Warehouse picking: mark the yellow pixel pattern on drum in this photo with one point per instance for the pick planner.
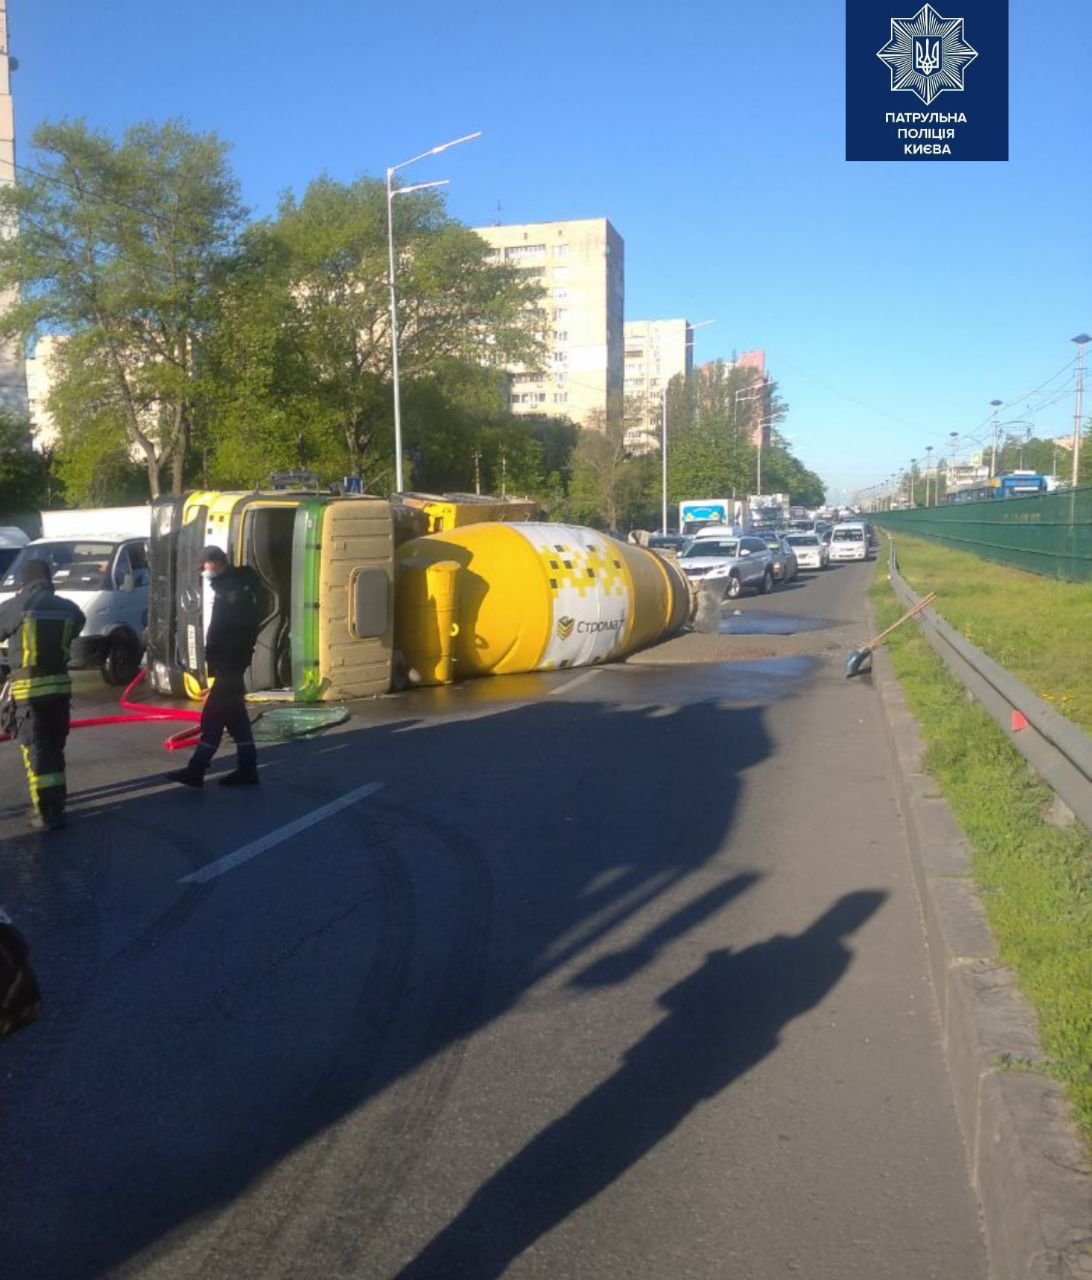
(592, 567)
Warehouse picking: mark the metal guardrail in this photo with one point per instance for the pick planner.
(1056, 749)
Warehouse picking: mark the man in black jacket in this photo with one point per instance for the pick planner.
(229, 647)
(42, 627)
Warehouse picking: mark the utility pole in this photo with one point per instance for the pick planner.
(13, 374)
(1081, 339)
(663, 460)
(996, 427)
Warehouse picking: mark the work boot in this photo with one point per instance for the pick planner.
(51, 821)
(242, 777)
(189, 776)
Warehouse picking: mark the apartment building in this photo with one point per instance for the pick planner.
(39, 383)
(655, 352)
(580, 265)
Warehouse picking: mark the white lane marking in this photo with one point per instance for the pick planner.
(571, 684)
(231, 860)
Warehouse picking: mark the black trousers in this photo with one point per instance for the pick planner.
(43, 731)
(225, 708)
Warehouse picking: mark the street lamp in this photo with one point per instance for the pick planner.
(1081, 339)
(393, 191)
(910, 484)
(928, 464)
(663, 432)
(993, 457)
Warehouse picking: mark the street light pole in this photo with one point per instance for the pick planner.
(928, 465)
(393, 191)
(993, 457)
(701, 324)
(663, 459)
(1081, 339)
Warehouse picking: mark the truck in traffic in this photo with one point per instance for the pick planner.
(700, 513)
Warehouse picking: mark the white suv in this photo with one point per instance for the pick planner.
(717, 558)
(849, 541)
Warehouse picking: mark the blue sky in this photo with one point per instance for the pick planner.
(894, 301)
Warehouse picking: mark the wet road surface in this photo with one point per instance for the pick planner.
(604, 974)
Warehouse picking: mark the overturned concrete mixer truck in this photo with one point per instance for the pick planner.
(358, 599)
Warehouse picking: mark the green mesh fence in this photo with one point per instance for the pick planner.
(1050, 534)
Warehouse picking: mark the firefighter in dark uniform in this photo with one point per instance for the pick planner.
(229, 648)
(41, 626)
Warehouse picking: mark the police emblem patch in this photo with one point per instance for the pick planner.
(927, 54)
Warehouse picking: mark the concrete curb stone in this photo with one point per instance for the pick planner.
(1028, 1165)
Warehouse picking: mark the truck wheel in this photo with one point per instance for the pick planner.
(734, 588)
(122, 660)
(767, 583)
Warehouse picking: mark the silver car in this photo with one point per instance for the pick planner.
(717, 558)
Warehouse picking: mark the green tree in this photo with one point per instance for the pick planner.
(711, 427)
(24, 472)
(597, 492)
(302, 350)
(119, 248)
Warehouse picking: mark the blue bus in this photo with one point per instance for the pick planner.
(1014, 484)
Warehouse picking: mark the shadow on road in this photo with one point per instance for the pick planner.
(266, 1012)
(722, 1020)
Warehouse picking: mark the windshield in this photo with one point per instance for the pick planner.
(76, 565)
(848, 535)
(718, 547)
(802, 540)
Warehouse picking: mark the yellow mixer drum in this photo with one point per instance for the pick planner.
(536, 597)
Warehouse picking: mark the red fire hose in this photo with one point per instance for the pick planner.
(140, 713)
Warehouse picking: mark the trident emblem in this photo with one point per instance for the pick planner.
(926, 59)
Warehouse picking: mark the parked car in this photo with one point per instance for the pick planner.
(671, 542)
(811, 550)
(714, 558)
(849, 541)
(784, 563)
(107, 576)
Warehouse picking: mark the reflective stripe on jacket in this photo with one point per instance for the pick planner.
(42, 626)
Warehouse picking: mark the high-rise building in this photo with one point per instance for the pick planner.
(756, 405)
(580, 265)
(655, 352)
(13, 382)
(40, 374)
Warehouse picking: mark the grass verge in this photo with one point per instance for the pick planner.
(1038, 629)
(1035, 879)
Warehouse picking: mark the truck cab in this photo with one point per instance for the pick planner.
(326, 565)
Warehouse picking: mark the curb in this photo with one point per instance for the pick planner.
(1027, 1163)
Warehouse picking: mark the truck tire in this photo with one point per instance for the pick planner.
(121, 661)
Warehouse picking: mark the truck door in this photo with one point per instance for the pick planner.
(189, 647)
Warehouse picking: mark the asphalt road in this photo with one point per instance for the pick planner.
(604, 974)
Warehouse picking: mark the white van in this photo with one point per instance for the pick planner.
(107, 576)
(849, 541)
